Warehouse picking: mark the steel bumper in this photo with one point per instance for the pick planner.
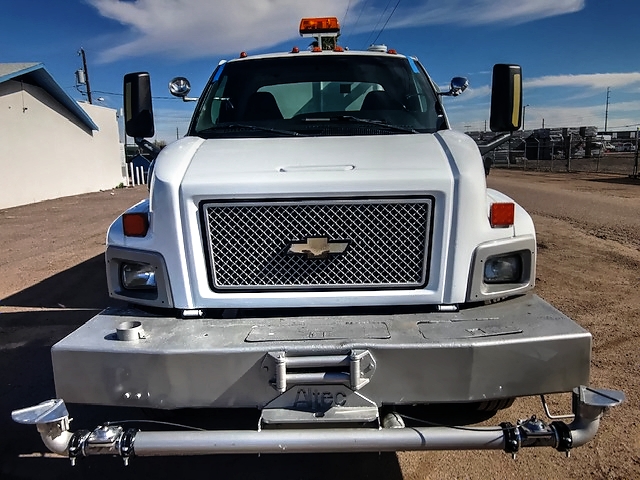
(518, 347)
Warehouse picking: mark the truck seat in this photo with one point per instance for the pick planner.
(262, 106)
(380, 100)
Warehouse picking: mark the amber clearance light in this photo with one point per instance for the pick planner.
(135, 224)
(502, 214)
(319, 25)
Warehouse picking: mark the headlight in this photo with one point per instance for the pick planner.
(503, 269)
(138, 276)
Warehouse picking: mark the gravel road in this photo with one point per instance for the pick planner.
(52, 280)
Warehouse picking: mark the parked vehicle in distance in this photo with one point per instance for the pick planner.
(626, 147)
(602, 146)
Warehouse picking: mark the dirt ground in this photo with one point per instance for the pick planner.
(52, 280)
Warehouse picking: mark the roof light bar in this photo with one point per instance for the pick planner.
(310, 27)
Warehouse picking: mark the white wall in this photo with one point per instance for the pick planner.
(45, 152)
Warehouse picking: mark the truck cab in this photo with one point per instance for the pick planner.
(327, 179)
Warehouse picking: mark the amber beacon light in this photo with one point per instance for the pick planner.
(313, 26)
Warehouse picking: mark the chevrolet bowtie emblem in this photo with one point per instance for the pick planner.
(318, 247)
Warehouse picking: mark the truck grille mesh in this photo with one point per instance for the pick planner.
(387, 244)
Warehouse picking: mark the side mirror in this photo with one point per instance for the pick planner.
(138, 110)
(456, 87)
(506, 98)
(180, 87)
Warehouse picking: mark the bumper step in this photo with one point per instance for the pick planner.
(485, 353)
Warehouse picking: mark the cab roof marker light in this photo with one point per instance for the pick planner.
(135, 224)
(392, 51)
(295, 50)
(243, 54)
(502, 214)
(377, 48)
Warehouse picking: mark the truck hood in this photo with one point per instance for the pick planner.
(294, 166)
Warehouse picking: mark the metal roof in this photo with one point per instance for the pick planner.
(37, 74)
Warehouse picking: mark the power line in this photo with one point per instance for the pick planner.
(377, 23)
(627, 126)
(344, 17)
(385, 23)
(359, 15)
(120, 94)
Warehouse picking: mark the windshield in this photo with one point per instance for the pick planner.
(321, 94)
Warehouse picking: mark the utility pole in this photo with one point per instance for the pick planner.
(635, 162)
(606, 111)
(524, 112)
(543, 123)
(86, 74)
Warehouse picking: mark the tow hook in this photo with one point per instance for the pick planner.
(52, 421)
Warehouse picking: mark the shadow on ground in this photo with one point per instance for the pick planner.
(69, 299)
(82, 286)
(626, 180)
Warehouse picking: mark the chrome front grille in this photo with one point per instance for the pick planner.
(249, 244)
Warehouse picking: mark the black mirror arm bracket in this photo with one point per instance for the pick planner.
(147, 145)
(495, 143)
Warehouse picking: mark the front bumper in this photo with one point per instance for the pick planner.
(518, 347)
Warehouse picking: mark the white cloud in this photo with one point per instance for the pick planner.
(168, 120)
(199, 28)
(475, 92)
(482, 12)
(621, 116)
(593, 80)
(564, 116)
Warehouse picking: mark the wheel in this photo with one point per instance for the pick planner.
(494, 405)
(449, 413)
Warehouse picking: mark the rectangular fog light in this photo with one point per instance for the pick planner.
(138, 276)
(503, 269)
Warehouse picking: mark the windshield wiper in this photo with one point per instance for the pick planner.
(352, 119)
(231, 126)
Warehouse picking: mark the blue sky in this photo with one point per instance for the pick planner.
(570, 50)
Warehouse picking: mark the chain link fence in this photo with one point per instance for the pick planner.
(563, 150)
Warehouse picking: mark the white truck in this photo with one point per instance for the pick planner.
(322, 248)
